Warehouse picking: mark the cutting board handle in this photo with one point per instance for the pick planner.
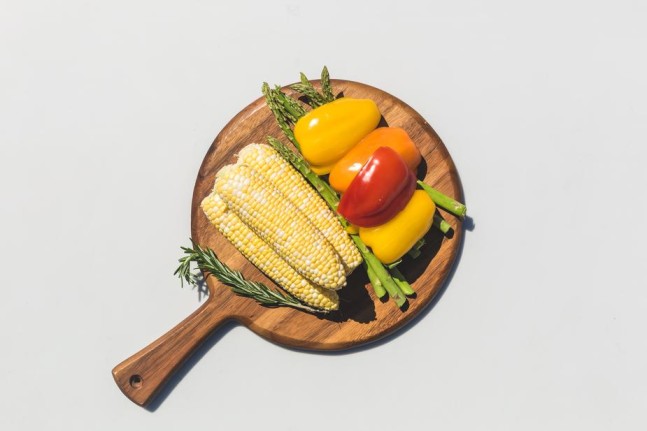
(142, 375)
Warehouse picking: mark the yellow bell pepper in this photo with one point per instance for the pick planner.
(391, 240)
(328, 132)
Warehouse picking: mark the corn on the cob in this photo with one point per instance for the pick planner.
(268, 162)
(266, 259)
(280, 224)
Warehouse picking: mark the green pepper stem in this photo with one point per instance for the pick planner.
(444, 201)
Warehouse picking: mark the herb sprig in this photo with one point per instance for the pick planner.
(208, 264)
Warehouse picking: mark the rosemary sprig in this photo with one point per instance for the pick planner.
(208, 263)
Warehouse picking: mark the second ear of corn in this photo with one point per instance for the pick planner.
(263, 158)
(264, 207)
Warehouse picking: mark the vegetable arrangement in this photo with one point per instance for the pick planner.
(306, 238)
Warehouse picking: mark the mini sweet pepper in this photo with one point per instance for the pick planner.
(326, 133)
(391, 240)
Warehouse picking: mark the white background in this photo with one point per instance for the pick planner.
(106, 110)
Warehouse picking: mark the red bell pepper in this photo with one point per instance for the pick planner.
(380, 190)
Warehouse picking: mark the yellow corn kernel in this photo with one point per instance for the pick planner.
(268, 162)
(267, 260)
(280, 224)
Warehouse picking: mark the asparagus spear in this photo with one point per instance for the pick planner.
(280, 118)
(401, 281)
(388, 283)
(441, 224)
(326, 88)
(305, 87)
(444, 201)
(375, 282)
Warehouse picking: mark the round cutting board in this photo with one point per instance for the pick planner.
(362, 317)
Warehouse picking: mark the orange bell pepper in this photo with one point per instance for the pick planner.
(346, 169)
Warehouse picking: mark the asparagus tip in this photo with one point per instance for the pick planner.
(445, 227)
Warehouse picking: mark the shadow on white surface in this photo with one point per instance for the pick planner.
(185, 367)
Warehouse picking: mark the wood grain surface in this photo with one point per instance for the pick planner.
(362, 317)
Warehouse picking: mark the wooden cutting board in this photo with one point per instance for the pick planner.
(362, 317)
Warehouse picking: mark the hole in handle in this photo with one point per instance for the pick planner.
(136, 381)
